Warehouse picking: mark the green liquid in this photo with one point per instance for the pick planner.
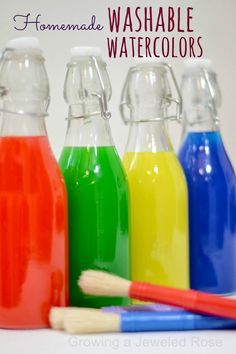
(98, 217)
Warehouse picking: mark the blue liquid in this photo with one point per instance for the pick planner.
(212, 212)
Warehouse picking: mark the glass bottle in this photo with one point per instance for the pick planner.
(159, 201)
(33, 203)
(211, 183)
(96, 182)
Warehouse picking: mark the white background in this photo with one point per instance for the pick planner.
(215, 21)
(50, 342)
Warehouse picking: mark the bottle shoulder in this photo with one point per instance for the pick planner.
(159, 164)
(27, 165)
(92, 164)
(205, 157)
(200, 144)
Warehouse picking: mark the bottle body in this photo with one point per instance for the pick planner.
(159, 207)
(98, 202)
(212, 208)
(98, 216)
(33, 236)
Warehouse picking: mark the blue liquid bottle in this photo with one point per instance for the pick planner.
(211, 183)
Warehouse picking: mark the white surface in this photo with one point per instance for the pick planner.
(85, 51)
(24, 43)
(51, 342)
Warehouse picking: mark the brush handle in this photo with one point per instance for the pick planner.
(168, 321)
(192, 300)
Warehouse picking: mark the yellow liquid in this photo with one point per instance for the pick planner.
(159, 218)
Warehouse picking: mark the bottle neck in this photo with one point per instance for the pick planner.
(152, 112)
(202, 99)
(199, 120)
(24, 78)
(148, 137)
(22, 125)
(84, 110)
(88, 131)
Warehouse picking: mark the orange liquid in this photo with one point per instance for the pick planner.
(33, 233)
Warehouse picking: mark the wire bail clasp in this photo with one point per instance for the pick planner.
(102, 97)
(212, 105)
(3, 89)
(178, 101)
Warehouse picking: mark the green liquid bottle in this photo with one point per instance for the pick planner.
(95, 179)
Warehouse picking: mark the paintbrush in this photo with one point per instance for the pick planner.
(105, 284)
(84, 320)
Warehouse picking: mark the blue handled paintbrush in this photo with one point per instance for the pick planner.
(83, 320)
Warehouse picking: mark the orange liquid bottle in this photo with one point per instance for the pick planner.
(33, 202)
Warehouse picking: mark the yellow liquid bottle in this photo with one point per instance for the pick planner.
(158, 189)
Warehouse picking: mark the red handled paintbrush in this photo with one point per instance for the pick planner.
(105, 284)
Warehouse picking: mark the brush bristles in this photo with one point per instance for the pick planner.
(83, 321)
(57, 315)
(100, 283)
